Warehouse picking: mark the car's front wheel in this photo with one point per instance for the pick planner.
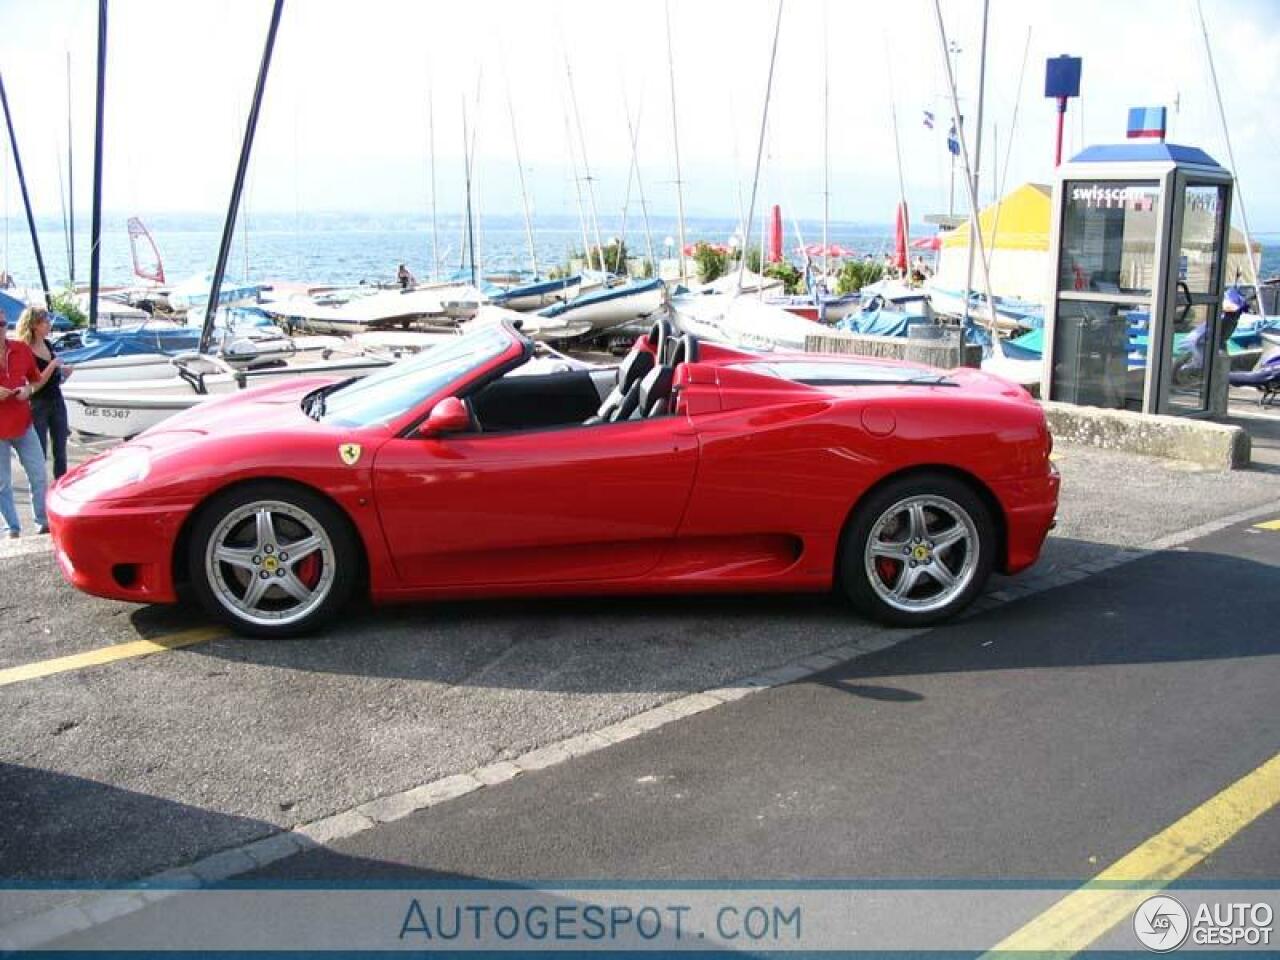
(918, 551)
(272, 560)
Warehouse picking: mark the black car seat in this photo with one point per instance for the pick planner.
(684, 350)
(653, 393)
(630, 372)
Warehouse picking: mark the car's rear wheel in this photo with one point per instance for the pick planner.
(272, 560)
(918, 551)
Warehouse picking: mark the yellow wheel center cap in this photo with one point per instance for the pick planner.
(920, 553)
(270, 564)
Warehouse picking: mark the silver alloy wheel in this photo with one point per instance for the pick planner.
(922, 553)
(270, 563)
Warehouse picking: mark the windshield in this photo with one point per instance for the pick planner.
(392, 392)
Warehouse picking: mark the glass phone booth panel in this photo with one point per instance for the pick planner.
(1106, 273)
(1200, 220)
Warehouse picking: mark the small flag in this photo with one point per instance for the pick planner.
(953, 139)
(928, 119)
(1147, 123)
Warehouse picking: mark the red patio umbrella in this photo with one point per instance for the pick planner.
(900, 238)
(927, 243)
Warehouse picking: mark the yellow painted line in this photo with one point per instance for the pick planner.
(1080, 918)
(1269, 525)
(119, 651)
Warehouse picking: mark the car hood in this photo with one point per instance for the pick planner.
(255, 410)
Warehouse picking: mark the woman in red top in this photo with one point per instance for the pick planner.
(19, 378)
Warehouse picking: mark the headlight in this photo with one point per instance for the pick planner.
(115, 471)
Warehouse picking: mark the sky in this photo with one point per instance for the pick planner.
(362, 96)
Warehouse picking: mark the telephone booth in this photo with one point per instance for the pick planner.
(1139, 246)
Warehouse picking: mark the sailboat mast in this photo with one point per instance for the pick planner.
(1226, 135)
(524, 191)
(477, 194)
(897, 150)
(95, 224)
(577, 187)
(675, 141)
(826, 146)
(431, 149)
(586, 165)
(764, 127)
(968, 180)
(62, 202)
(977, 162)
(71, 188)
(635, 163)
(22, 186)
(228, 230)
(466, 167)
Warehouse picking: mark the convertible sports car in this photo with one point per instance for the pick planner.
(690, 467)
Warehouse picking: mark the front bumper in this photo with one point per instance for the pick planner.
(116, 549)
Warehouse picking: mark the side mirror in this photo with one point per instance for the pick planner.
(450, 415)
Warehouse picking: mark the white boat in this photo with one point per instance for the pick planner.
(112, 313)
(401, 343)
(752, 282)
(194, 293)
(744, 321)
(537, 294)
(360, 309)
(1010, 315)
(122, 409)
(610, 307)
(532, 325)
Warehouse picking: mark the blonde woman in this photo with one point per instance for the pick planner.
(19, 379)
(48, 409)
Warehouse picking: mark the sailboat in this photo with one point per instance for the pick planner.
(125, 407)
(125, 403)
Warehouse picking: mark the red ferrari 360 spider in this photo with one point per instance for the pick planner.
(689, 467)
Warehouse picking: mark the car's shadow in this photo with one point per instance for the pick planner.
(646, 644)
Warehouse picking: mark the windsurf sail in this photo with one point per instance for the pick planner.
(144, 267)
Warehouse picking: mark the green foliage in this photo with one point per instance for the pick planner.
(753, 259)
(65, 304)
(791, 277)
(712, 263)
(613, 260)
(856, 274)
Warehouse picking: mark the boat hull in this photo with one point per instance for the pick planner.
(123, 409)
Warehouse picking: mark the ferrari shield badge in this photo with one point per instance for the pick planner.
(350, 453)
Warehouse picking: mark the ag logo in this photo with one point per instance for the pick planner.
(350, 453)
(1161, 924)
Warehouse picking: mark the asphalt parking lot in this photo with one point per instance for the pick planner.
(109, 773)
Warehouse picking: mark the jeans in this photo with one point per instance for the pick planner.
(50, 421)
(27, 447)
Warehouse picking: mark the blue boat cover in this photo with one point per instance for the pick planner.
(604, 295)
(534, 288)
(13, 308)
(881, 322)
(114, 343)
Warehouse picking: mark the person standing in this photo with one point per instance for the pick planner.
(48, 409)
(19, 378)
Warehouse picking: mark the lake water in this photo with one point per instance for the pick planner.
(349, 248)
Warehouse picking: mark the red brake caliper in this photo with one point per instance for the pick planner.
(887, 568)
(308, 570)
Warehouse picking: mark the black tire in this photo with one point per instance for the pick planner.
(298, 593)
(950, 508)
